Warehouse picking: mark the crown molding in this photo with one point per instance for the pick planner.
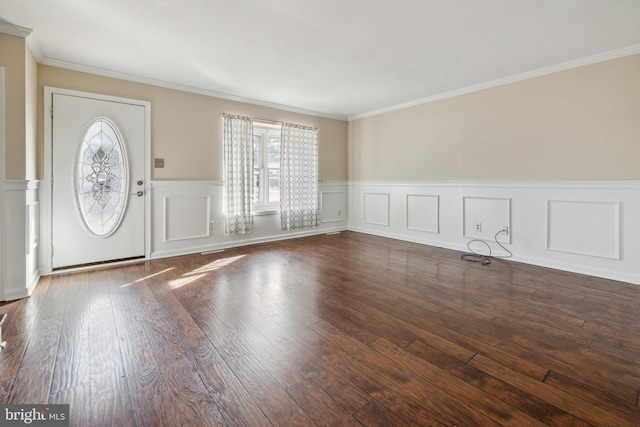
(184, 88)
(606, 56)
(14, 30)
(614, 54)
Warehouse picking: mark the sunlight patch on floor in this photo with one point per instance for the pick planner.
(178, 283)
(147, 277)
(217, 264)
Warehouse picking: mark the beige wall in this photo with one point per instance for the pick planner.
(12, 57)
(580, 124)
(31, 114)
(186, 128)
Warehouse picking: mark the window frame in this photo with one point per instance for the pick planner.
(263, 130)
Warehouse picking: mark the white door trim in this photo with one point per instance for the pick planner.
(3, 159)
(45, 188)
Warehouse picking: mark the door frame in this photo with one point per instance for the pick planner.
(46, 217)
(3, 159)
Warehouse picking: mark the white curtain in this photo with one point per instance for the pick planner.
(238, 173)
(299, 177)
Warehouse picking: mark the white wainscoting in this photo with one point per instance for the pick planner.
(489, 214)
(187, 217)
(21, 238)
(376, 209)
(587, 227)
(32, 234)
(584, 228)
(423, 213)
(332, 206)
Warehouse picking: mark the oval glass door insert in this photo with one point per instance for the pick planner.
(102, 178)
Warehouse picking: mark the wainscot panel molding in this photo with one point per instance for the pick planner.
(186, 217)
(423, 213)
(376, 209)
(182, 222)
(484, 217)
(332, 205)
(21, 238)
(584, 227)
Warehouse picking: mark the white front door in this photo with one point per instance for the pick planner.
(98, 191)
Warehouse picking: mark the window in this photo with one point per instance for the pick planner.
(266, 166)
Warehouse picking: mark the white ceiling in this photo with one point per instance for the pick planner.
(338, 58)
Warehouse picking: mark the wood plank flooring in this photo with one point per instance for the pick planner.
(331, 330)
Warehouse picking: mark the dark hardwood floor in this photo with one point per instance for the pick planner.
(331, 330)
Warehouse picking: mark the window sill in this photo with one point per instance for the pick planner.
(266, 211)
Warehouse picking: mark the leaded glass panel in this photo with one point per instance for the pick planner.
(101, 178)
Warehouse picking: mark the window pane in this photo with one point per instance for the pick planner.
(257, 151)
(256, 186)
(273, 151)
(274, 185)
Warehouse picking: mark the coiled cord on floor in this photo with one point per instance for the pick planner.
(473, 256)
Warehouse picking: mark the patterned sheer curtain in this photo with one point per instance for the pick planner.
(238, 173)
(299, 177)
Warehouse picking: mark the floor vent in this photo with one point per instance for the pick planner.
(212, 252)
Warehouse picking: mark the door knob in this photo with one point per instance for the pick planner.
(139, 182)
(139, 194)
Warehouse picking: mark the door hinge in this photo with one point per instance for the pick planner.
(51, 250)
(51, 111)
(51, 182)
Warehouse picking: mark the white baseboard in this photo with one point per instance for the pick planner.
(244, 242)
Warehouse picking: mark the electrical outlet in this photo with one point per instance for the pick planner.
(505, 229)
(339, 213)
(212, 225)
(478, 226)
